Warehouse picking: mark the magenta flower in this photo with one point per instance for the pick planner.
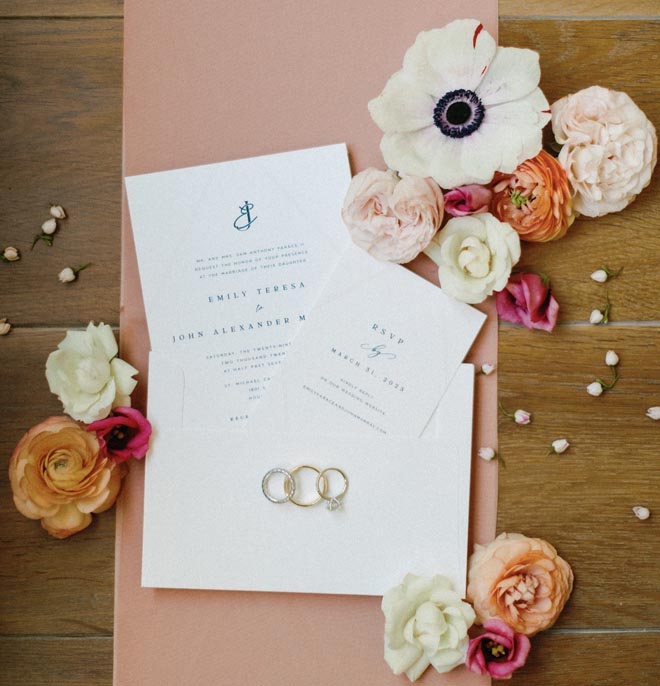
(527, 299)
(464, 200)
(124, 434)
(498, 652)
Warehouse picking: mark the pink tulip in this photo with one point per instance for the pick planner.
(498, 652)
(528, 300)
(124, 434)
(464, 200)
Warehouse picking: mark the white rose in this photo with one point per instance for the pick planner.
(475, 256)
(87, 376)
(426, 623)
(610, 148)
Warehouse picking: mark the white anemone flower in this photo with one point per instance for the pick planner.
(461, 108)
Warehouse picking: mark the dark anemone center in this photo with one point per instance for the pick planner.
(493, 651)
(119, 436)
(458, 113)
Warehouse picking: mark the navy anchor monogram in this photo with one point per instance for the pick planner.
(244, 220)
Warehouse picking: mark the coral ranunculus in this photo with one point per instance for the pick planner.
(124, 434)
(60, 475)
(528, 300)
(535, 199)
(498, 652)
(521, 581)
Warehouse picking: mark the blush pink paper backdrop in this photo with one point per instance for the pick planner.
(207, 81)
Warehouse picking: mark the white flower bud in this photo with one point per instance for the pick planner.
(11, 254)
(57, 211)
(641, 512)
(5, 326)
(486, 454)
(653, 412)
(595, 389)
(67, 275)
(611, 358)
(596, 317)
(560, 446)
(600, 275)
(487, 368)
(49, 227)
(522, 417)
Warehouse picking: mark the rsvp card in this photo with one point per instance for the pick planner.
(379, 350)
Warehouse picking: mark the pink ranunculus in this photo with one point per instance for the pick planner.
(464, 200)
(124, 434)
(498, 652)
(528, 300)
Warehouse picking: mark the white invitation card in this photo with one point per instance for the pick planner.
(231, 258)
(379, 350)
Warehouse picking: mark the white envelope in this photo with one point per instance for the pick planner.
(405, 510)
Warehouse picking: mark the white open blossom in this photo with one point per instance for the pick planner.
(426, 623)
(87, 376)
(475, 256)
(461, 108)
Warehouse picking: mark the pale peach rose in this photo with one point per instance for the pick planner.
(520, 580)
(392, 218)
(609, 148)
(59, 474)
(535, 199)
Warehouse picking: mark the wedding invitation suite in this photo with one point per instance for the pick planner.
(232, 256)
(405, 510)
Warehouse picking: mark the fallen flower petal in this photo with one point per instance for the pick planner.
(49, 227)
(5, 326)
(57, 211)
(522, 417)
(611, 358)
(653, 412)
(67, 275)
(595, 389)
(600, 276)
(487, 369)
(11, 254)
(487, 454)
(596, 317)
(561, 445)
(641, 512)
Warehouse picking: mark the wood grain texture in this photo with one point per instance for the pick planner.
(56, 661)
(581, 500)
(61, 8)
(60, 142)
(48, 586)
(569, 8)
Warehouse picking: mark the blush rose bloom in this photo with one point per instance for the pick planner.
(124, 434)
(498, 652)
(392, 218)
(475, 256)
(609, 149)
(60, 475)
(529, 301)
(521, 581)
(465, 200)
(535, 200)
(426, 623)
(87, 376)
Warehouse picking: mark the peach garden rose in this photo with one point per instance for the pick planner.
(60, 475)
(521, 581)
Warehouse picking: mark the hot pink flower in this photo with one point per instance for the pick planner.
(528, 300)
(464, 200)
(124, 434)
(498, 652)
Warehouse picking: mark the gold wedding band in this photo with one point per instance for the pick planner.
(321, 486)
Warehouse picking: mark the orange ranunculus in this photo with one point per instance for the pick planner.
(521, 581)
(535, 199)
(59, 474)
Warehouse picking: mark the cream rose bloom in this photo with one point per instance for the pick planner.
(59, 474)
(87, 376)
(426, 623)
(521, 581)
(475, 256)
(392, 218)
(609, 148)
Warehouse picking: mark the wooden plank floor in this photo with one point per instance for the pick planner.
(60, 106)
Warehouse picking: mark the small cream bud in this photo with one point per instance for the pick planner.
(641, 512)
(487, 369)
(5, 326)
(522, 417)
(596, 317)
(600, 275)
(611, 358)
(57, 211)
(487, 454)
(49, 227)
(560, 446)
(595, 389)
(67, 275)
(11, 254)
(653, 412)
